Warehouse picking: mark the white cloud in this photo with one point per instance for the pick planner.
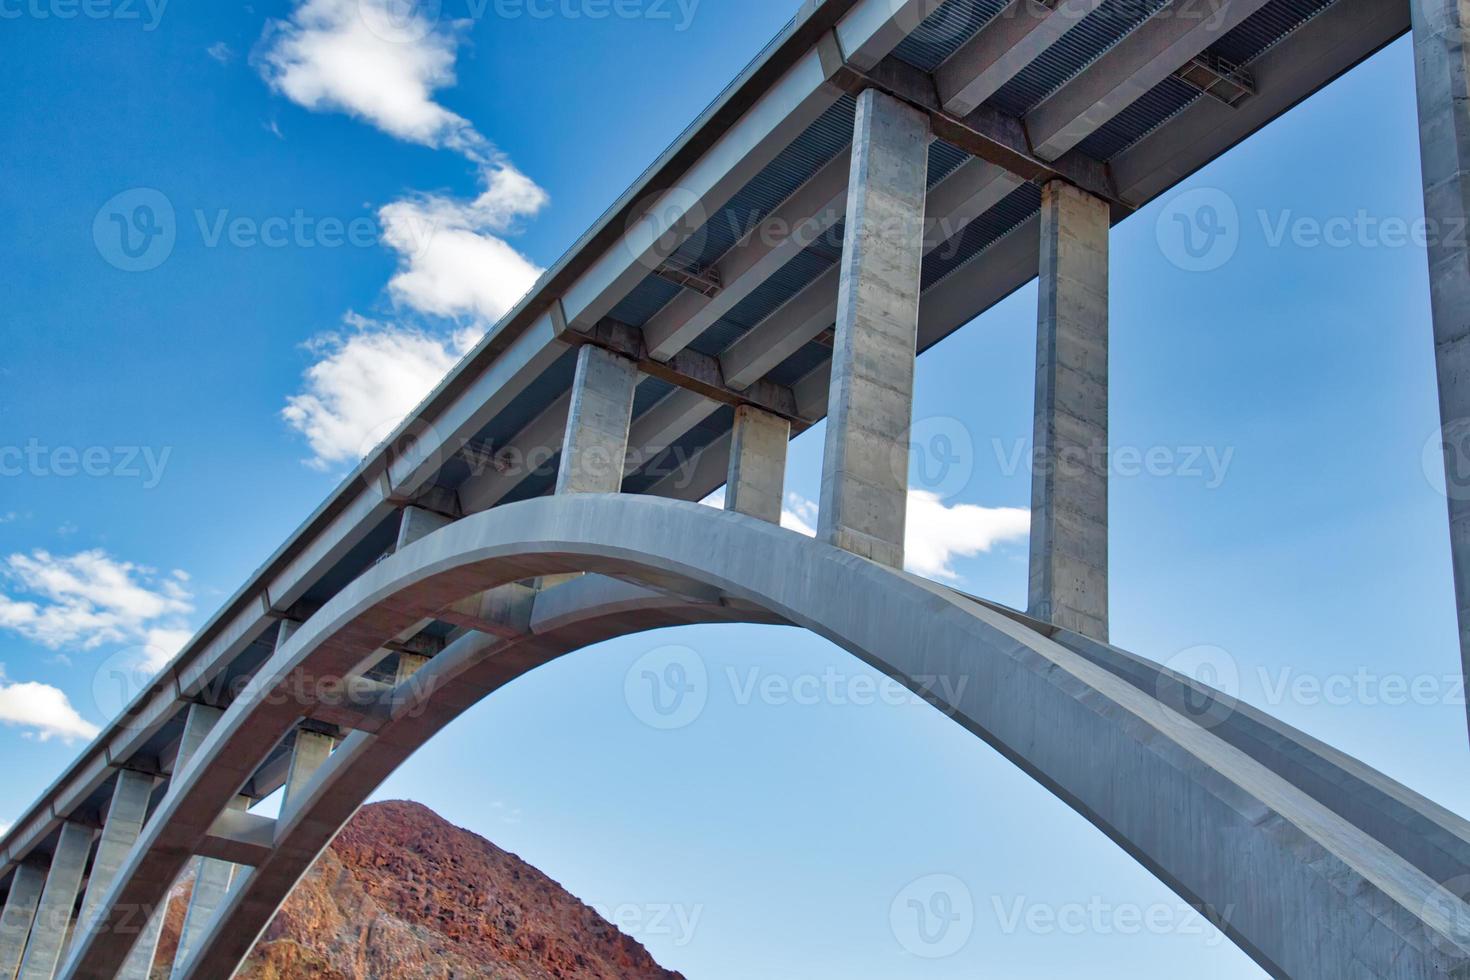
(89, 598)
(382, 62)
(366, 381)
(221, 52)
(374, 60)
(936, 533)
(43, 711)
(451, 262)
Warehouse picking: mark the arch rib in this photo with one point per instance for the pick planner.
(1303, 890)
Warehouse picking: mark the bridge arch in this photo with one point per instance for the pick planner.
(1308, 892)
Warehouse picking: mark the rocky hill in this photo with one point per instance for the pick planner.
(403, 893)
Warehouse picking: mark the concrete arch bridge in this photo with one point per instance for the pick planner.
(881, 174)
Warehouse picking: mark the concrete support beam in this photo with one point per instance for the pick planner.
(1443, 81)
(20, 912)
(1143, 59)
(757, 464)
(535, 446)
(415, 523)
(125, 816)
(197, 724)
(1014, 38)
(663, 425)
(212, 882)
(309, 753)
(959, 199)
(796, 223)
(1069, 482)
(864, 468)
(58, 900)
(601, 409)
(239, 837)
(504, 611)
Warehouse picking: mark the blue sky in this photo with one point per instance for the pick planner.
(1288, 533)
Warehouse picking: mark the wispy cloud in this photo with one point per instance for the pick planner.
(221, 52)
(43, 711)
(378, 65)
(89, 599)
(384, 63)
(366, 379)
(935, 533)
(451, 261)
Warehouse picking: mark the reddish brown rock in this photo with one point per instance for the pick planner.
(402, 893)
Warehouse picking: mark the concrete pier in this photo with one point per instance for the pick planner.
(1069, 480)
(309, 752)
(757, 464)
(58, 900)
(125, 816)
(870, 404)
(197, 725)
(596, 441)
(20, 912)
(1443, 86)
(211, 884)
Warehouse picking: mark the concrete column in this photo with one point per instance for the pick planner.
(596, 442)
(211, 885)
(58, 900)
(865, 466)
(757, 464)
(1069, 480)
(308, 753)
(1443, 82)
(197, 724)
(20, 912)
(415, 523)
(125, 816)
